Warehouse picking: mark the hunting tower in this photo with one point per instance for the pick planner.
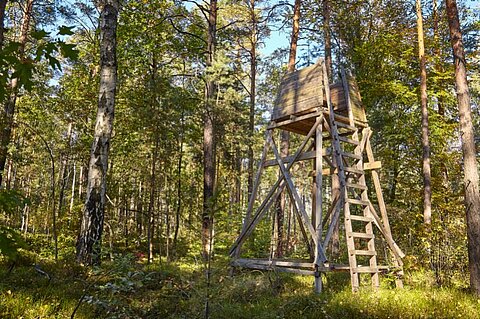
(335, 138)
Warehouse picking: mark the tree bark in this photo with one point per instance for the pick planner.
(151, 203)
(427, 190)
(285, 135)
(3, 5)
(89, 239)
(209, 137)
(9, 107)
(179, 190)
(471, 179)
(328, 37)
(63, 171)
(253, 89)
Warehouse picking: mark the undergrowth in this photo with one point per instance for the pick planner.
(129, 288)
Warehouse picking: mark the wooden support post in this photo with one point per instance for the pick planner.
(318, 207)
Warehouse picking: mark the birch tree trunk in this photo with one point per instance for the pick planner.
(209, 137)
(471, 179)
(89, 239)
(427, 191)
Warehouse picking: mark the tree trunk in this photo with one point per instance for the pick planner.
(179, 190)
(63, 169)
(285, 135)
(9, 107)
(209, 137)
(72, 197)
(151, 203)
(253, 89)
(3, 5)
(89, 239)
(328, 37)
(427, 191)
(471, 179)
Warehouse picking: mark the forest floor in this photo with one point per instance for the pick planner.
(129, 288)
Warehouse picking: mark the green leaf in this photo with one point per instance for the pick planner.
(39, 34)
(64, 30)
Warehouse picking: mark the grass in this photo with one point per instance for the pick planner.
(126, 288)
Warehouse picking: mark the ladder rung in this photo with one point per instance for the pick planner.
(351, 185)
(354, 170)
(358, 201)
(355, 156)
(363, 252)
(360, 235)
(348, 140)
(344, 125)
(361, 218)
(365, 270)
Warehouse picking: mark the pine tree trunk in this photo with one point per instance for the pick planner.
(328, 38)
(6, 123)
(89, 239)
(285, 136)
(179, 191)
(471, 179)
(253, 89)
(427, 191)
(209, 137)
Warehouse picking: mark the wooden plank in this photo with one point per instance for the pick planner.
(360, 235)
(361, 218)
(295, 97)
(299, 91)
(302, 157)
(340, 118)
(307, 73)
(358, 202)
(372, 165)
(365, 270)
(318, 199)
(351, 155)
(358, 186)
(348, 140)
(276, 263)
(279, 269)
(353, 170)
(363, 252)
(292, 119)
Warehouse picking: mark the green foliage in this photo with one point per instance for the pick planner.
(10, 243)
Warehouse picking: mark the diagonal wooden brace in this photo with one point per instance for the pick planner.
(299, 207)
(248, 228)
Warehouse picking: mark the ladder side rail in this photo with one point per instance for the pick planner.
(366, 211)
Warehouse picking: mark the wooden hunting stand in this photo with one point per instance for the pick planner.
(337, 140)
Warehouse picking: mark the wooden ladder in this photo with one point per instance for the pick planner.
(354, 193)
